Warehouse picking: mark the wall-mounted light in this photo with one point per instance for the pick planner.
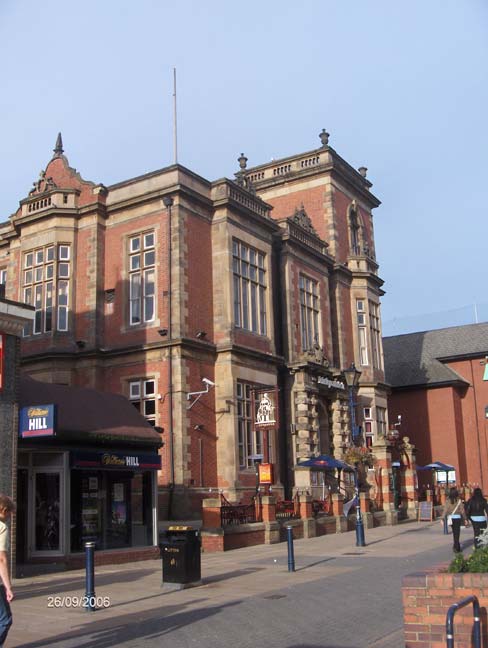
(80, 344)
(199, 426)
(201, 334)
(163, 332)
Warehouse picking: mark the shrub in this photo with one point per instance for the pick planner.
(475, 564)
(458, 564)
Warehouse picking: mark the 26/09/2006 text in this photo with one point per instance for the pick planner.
(78, 601)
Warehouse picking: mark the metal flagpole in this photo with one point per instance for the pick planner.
(175, 136)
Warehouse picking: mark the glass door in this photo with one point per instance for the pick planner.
(47, 508)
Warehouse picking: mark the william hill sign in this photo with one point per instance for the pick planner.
(37, 421)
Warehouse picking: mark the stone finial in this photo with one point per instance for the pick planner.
(242, 159)
(363, 171)
(58, 149)
(324, 138)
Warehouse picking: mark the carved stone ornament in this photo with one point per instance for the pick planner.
(406, 443)
(316, 354)
(43, 184)
(300, 217)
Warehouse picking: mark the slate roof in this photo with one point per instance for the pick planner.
(89, 414)
(416, 358)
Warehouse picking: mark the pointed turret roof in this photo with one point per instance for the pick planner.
(58, 149)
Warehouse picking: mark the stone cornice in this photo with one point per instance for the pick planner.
(14, 316)
(325, 160)
(157, 194)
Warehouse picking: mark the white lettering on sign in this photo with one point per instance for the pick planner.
(37, 424)
(330, 383)
(133, 462)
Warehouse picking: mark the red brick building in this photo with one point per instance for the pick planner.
(439, 392)
(187, 295)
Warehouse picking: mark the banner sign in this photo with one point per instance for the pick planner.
(37, 421)
(116, 460)
(265, 473)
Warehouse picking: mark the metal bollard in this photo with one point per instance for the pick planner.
(89, 603)
(360, 541)
(446, 528)
(291, 553)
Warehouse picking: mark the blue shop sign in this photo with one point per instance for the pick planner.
(37, 421)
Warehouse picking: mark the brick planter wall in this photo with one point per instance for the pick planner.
(427, 597)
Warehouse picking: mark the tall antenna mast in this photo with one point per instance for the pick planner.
(175, 135)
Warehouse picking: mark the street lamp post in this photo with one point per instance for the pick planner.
(352, 376)
(352, 379)
(360, 541)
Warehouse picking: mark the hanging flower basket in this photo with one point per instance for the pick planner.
(361, 455)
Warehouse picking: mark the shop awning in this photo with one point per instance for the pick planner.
(89, 415)
(325, 462)
(436, 465)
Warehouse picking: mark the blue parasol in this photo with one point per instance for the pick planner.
(436, 465)
(326, 463)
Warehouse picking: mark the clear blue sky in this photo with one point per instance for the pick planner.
(402, 87)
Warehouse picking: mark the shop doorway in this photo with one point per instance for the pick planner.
(21, 516)
(47, 512)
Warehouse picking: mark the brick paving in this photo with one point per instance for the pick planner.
(339, 597)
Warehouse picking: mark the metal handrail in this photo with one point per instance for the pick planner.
(476, 620)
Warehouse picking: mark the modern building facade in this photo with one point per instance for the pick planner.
(201, 301)
(439, 385)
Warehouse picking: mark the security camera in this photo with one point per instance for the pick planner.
(208, 382)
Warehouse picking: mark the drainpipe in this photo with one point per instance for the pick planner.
(168, 203)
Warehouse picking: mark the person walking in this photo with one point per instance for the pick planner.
(477, 510)
(455, 514)
(6, 594)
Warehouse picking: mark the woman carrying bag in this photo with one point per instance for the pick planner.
(476, 510)
(454, 512)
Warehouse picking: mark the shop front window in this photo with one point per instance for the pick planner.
(111, 508)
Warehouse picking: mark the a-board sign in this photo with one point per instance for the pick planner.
(426, 512)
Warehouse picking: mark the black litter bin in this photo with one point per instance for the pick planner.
(180, 553)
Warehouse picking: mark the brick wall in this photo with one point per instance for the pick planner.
(427, 597)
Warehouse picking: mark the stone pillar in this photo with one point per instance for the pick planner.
(305, 503)
(341, 427)
(409, 485)
(269, 508)
(381, 450)
(338, 512)
(364, 502)
(306, 514)
(365, 505)
(271, 526)
(337, 504)
(211, 513)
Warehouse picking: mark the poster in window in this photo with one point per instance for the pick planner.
(118, 492)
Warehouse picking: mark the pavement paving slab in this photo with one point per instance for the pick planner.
(340, 596)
